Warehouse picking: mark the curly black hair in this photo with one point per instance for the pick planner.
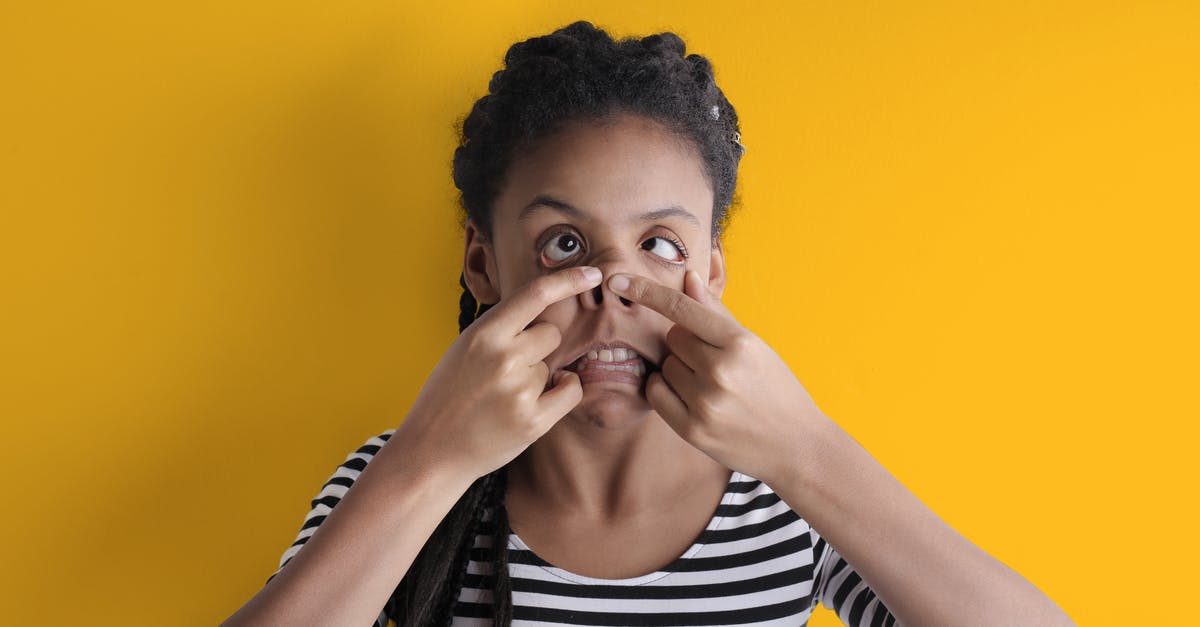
(578, 72)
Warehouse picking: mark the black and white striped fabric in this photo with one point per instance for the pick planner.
(757, 563)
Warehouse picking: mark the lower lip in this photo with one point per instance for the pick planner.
(591, 371)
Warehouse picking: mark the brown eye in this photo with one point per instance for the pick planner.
(561, 247)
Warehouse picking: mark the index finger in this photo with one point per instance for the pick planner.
(515, 313)
(705, 322)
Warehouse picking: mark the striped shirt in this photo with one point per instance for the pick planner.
(756, 563)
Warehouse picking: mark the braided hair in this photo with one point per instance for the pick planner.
(576, 73)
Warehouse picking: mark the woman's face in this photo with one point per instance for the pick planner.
(627, 196)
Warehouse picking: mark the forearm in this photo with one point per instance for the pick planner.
(357, 556)
(925, 572)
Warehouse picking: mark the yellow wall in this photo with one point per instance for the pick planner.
(229, 255)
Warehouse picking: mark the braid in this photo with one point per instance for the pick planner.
(429, 591)
(422, 598)
(483, 489)
(502, 587)
(578, 72)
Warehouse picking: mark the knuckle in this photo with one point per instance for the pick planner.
(639, 288)
(721, 376)
(506, 364)
(675, 306)
(529, 425)
(538, 291)
(706, 407)
(553, 333)
(741, 342)
(579, 280)
(526, 397)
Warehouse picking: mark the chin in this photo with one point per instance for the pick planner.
(611, 406)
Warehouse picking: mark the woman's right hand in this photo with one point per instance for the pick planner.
(487, 399)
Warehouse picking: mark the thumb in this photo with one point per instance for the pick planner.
(564, 394)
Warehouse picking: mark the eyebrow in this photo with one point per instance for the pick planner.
(542, 201)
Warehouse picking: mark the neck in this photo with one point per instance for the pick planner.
(586, 469)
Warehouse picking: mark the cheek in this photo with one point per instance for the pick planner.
(515, 274)
(671, 277)
(561, 314)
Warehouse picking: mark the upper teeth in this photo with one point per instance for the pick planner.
(616, 354)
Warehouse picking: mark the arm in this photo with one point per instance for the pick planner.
(355, 554)
(921, 569)
(488, 398)
(729, 394)
(839, 588)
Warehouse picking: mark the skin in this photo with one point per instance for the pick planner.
(483, 404)
(723, 400)
(582, 480)
(714, 375)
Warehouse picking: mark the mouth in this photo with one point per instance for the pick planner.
(612, 361)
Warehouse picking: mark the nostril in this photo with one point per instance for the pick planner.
(625, 301)
(598, 294)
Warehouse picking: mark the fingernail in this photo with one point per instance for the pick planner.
(619, 283)
(592, 274)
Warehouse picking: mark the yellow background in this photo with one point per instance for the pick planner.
(230, 255)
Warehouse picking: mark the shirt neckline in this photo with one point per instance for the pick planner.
(714, 523)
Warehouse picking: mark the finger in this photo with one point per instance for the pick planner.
(514, 313)
(695, 352)
(562, 397)
(538, 341)
(694, 286)
(681, 379)
(541, 372)
(664, 401)
(706, 322)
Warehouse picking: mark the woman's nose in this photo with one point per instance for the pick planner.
(601, 296)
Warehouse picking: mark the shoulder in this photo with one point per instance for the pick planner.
(366, 451)
(333, 490)
(357, 460)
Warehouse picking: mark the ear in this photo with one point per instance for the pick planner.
(716, 270)
(479, 266)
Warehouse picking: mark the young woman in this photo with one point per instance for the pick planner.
(604, 443)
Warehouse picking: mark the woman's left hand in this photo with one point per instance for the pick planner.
(722, 388)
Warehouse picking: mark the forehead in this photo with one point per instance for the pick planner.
(615, 170)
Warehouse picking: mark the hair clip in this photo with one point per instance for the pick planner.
(737, 139)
